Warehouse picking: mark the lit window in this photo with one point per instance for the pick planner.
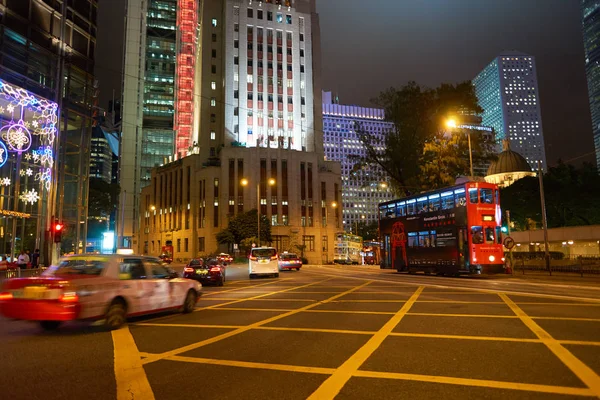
(214, 22)
(213, 135)
(250, 79)
(213, 85)
(236, 77)
(213, 102)
(280, 18)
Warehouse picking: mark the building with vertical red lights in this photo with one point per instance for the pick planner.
(256, 115)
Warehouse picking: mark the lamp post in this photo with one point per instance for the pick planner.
(245, 182)
(451, 123)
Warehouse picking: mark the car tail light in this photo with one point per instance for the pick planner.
(69, 297)
(5, 296)
(253, 258)
(215, 269)
(188, 269)
(274, 258)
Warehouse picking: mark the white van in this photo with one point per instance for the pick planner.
(263, 261)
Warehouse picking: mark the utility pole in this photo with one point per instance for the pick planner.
(544, 220)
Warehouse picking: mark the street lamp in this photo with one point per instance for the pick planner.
(356, 223)
(333, 205)
(452, 124)
(245, 182)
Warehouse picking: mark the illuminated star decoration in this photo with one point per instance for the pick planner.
(5, 182)
(30, 196)
(36, 157)
(22, 172)
(28, 157)
(10, 108)
(35, 124)
(29, 172)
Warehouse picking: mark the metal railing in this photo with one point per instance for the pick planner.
(20, 273)
(581, 265)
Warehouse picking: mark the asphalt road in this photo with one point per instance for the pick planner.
(327, 332)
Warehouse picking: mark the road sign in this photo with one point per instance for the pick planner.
(509, 242)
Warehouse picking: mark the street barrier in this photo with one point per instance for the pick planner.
(577, 265)
(20, 273)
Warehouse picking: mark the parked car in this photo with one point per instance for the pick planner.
(97, 287)
(225, 258)
(209, 271)
(289, 261)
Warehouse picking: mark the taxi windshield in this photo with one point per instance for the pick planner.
(288, 256)
(78, 266)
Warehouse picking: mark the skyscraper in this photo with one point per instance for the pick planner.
(256, 117)
(361, 193)
(48, 48)
(507, 90)
(591, 41)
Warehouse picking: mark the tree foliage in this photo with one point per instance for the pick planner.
(572, 195)
(419, 153)
(243, 226)
(368, 231)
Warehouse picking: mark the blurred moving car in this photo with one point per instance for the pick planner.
(97, 287)
(289, 261)
(263, 261)
(225, 258)
(209, 271)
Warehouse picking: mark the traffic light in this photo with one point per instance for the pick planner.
(504, 229)
(57, 229)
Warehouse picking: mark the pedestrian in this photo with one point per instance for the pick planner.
(35, 259)
(23, 260)
(3, 263)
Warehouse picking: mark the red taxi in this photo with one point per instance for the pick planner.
(225, 258)
(289, 261)
(97, 287)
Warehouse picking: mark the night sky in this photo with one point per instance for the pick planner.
(370, 45)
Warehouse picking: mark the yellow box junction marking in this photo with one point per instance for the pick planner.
(332, 386)
(226, 335)
(582, 371)
(132, 382)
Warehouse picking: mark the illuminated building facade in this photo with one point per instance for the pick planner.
(363, 190)
(258, 116)
(47, 47)
(591, 41)
(507, 90)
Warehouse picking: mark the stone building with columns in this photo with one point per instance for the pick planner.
(191, 199)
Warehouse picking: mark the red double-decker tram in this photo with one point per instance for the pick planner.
(455, 230)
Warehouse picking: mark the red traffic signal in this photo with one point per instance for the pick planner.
(58, 227)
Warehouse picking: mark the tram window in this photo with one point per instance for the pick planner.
(433, 239)
(497, 196)
(400, 209)
(434, 203)
(489, 235)
(424, 240)
(486, 196)
(412, 239)
(459, 197)
(411, 208)
(422, 205)
(498, 235)
(473, 195)
(447, 201)
(477, 234)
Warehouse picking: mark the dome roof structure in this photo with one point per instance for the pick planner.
(508, 162)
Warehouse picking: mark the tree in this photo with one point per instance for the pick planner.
(243, 226)
(418, 115)
(368, 231)
(572, 195)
